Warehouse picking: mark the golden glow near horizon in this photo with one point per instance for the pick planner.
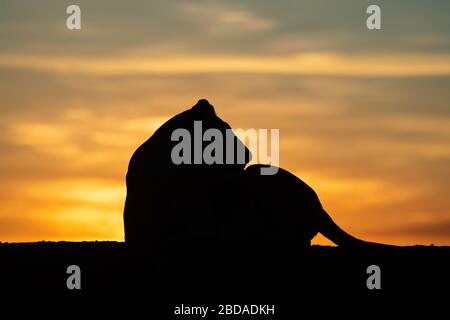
(364, 116)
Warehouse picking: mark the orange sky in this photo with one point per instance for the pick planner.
(363, 116)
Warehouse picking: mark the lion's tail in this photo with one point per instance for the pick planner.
(329, 229)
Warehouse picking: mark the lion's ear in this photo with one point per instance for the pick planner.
(204, 108)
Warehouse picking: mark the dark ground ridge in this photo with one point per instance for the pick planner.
(110, 269)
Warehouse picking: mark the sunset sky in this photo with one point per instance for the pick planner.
(364, 116)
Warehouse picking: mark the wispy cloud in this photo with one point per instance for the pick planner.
(219, 17)
(304, 64)
(439, 228)
(429, 231)
(246, 20)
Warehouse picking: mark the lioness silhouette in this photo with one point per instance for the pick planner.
(172, 207)
(169, 205)
(281, 211)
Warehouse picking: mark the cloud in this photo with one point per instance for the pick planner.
(73, 137)
(222, 26)
(305, 64)
(245, 20)
(218, 18)
(426, 228)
